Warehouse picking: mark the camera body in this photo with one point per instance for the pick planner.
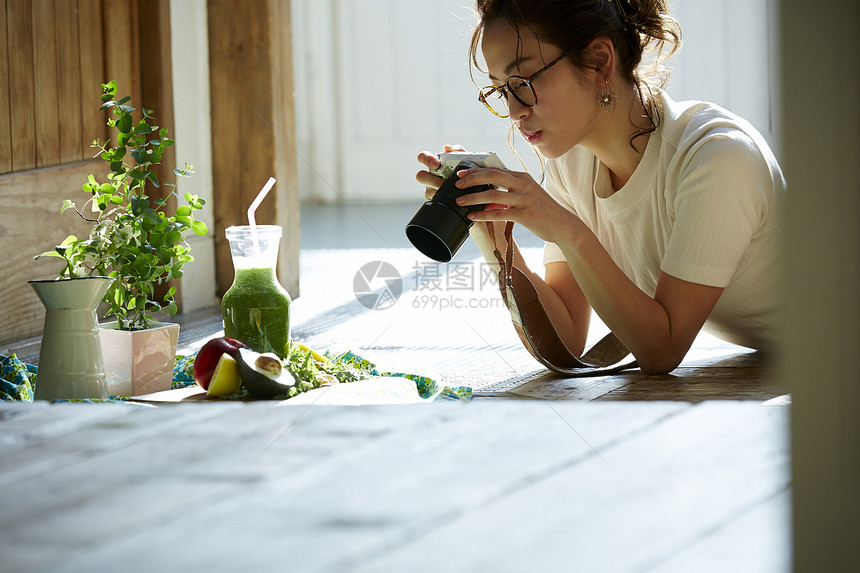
(440, 227)
(452, 159)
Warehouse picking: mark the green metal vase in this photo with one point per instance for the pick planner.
(70, 360)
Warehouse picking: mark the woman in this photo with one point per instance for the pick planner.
(659, 215)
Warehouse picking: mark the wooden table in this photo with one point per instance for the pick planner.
(628, 473)
(487, 485)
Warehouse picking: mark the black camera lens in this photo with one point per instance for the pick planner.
(440, 227)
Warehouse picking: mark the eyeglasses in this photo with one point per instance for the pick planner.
(496, 97)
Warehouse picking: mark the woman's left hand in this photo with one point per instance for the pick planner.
(517, 198)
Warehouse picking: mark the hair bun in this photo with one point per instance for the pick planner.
(637, 14)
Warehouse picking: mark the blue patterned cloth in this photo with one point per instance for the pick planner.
(183, 371)
(18, 382)
(427, 387)
(18, 379)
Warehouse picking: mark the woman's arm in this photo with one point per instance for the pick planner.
(561, 281)
(658, 331)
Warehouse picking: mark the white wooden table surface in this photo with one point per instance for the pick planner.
(489, 485)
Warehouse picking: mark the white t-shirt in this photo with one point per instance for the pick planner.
(701, 207)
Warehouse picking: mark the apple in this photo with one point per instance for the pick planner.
(209, 355)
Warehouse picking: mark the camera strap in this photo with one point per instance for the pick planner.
(536, 329)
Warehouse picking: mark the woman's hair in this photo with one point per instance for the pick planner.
(635, 27)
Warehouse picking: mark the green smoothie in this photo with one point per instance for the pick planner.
(256, 310)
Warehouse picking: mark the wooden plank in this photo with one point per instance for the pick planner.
(224, 101)
(5, 114)
(32, 224)
(700, 384)
(12, 410)
(654, 494)
(241, 95)
(65, 439)
(284, 130)
(92, 65)
(380, 488)
(339, 480)
(19, 26)
(121, 49)
(69, 82)
(712, 369)
(27, 424)
(47, 96)
(26, 350)
(739, 545)
(156, 85)
(550, 386)
(155, 80)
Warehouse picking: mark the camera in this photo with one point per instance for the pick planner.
(440, 227)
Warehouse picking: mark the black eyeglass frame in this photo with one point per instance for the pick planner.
(488, 91)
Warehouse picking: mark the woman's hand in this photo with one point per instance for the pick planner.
(431, 162)
(571, 309)
(517, 198)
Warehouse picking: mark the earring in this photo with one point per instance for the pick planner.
(606, 99)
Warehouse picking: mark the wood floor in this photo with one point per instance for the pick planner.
(492, 485)
(626, 473)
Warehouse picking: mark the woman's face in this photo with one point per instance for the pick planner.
(566, 110)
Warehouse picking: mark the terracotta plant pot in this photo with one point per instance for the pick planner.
(141, 361)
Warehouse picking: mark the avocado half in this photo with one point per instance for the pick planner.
(263, 375)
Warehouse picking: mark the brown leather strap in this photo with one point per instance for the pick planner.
(536, 330)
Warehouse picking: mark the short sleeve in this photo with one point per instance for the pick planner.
(724, 193)
(552, 254)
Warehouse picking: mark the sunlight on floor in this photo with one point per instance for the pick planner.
(405, 312)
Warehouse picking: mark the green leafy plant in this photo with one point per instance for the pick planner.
(133, 238)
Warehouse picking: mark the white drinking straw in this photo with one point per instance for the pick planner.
(254, 204)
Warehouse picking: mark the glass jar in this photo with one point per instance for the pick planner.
(256, 308)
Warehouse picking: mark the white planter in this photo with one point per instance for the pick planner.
(138, 362)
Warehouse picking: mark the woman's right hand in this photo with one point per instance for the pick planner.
(431, 161)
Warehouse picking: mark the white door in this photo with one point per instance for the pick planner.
(378, 81)
(729, 57)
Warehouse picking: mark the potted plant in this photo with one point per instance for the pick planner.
(136, 242)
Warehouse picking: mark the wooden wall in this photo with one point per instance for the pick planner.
(59, 54)
(60, 51)
(253, 126)
(50, 80)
